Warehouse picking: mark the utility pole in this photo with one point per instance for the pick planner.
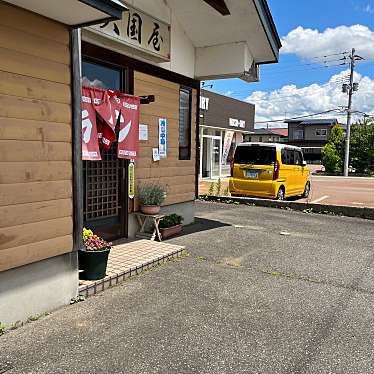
(349, 89)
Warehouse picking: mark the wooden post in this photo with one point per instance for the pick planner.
(77, 138)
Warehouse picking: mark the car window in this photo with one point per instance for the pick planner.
(298, 158)
(255, 154)
(287, 156)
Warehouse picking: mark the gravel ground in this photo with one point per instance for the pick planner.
(262, 291)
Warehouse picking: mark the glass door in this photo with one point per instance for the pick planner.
(105, 195)
(211, 157)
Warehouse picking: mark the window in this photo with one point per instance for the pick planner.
(185, 106)
(321, 132)
(260, 139)
(298, 134)
(298, 158)
(291, 157)
(255, 154)
(287, 156)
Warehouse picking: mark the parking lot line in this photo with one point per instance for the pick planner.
(319, 199)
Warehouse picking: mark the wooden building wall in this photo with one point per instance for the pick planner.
(35, 138)
(177, 175)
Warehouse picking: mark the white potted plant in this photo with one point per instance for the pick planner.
(151, 196)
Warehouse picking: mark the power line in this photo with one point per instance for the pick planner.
(299, 117)
(309, 69)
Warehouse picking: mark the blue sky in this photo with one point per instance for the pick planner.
(316, 14)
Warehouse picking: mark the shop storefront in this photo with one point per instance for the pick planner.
(224, 122)
(51, 184)
(121, 56)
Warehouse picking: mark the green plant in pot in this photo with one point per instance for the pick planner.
(170, 225)
(93, 258)
(151, 196)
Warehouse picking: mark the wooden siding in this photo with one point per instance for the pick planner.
(35, 138)
(177, 175)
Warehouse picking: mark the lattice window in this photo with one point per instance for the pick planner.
(102, 181)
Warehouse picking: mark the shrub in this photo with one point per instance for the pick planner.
(170, 221)
(151, 194)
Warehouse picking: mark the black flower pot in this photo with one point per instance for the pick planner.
(93, 264)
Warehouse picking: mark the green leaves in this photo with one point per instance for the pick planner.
(362, 147)
(333, 151)
(170, 221)
(151, 194)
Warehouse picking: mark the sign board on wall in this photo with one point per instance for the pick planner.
(237, 123)
(226, 146)
(131, 177)
(139, 30)
(204, 102)
(162, 137)
(143, 132)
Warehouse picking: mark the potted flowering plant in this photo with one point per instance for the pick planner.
(93, 258)
(170, 225)
(151, 196)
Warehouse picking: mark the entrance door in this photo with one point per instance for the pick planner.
(105, 195)
(211, 162)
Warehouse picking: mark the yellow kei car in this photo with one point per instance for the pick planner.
(269, 170)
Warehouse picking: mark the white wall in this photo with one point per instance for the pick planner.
(182, 51)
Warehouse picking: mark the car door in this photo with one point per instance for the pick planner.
(298, 172)
(287, 170)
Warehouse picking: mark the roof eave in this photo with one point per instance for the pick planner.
(270, 29)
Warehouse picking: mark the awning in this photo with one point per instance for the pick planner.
(75, 13)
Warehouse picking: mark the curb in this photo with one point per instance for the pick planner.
(366, 213)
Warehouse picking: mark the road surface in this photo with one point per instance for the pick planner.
(351, 191)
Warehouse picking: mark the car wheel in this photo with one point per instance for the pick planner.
(281, 194)
(306, 192)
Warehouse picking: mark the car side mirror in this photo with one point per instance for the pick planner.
(303, 163)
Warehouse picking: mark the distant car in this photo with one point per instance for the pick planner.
(269, 170)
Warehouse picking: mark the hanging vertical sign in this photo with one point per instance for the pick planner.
(131, 178)
(226, 146)
(128, 136)
(90, 141)
(162, 137)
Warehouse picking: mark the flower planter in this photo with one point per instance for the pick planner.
(170, 231)
(150, 209)
(93, 264)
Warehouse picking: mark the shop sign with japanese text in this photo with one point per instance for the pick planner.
(139, 30)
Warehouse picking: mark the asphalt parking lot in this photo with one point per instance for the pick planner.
(262, 291)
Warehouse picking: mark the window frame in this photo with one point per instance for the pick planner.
(298, 131)
(321, 130)
(186, 156)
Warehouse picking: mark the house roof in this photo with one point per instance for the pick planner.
(281, 131)
(270, 132)
(321, 121)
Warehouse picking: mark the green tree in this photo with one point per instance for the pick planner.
(362, 146)
(331, 159)
(333, 151)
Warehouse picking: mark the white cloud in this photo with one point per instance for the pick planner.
(291, 101)
(309, 43)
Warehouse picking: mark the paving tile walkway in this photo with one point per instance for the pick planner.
(126, 260)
